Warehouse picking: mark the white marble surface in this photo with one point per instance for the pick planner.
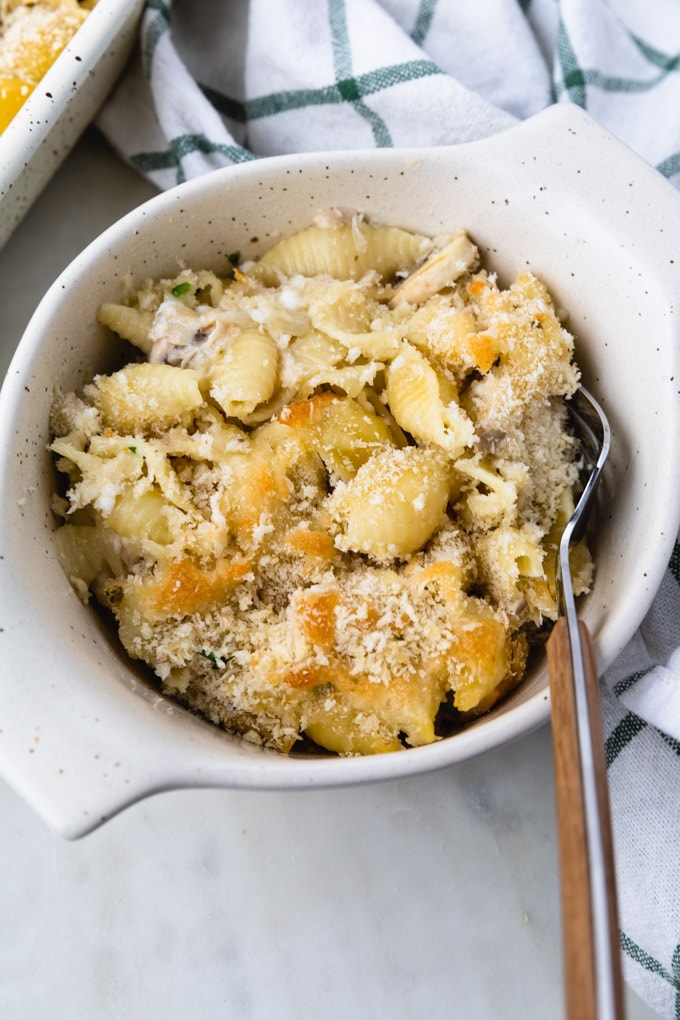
(434, 897)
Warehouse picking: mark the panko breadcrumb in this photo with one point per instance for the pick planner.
(324, 504)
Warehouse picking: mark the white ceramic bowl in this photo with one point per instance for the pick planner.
(47, 126)
(82, 734)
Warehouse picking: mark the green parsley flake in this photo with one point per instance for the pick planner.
(218, 661)
(181, 288)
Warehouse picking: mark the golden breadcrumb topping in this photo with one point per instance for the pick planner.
(324, 502)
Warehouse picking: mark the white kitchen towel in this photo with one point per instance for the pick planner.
(220, 83)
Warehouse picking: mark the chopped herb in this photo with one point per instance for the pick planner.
(181, 288)
(132, 449)
(234, 258)
(218, 661)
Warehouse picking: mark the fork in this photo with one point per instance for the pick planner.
(592, 959)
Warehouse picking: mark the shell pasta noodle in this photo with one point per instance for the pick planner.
(32, 35)
(324, 500)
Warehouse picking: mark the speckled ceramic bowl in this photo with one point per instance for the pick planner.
(82, 735)
(58, 110)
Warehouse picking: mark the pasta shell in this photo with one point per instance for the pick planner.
(344, 252)
(246, 375)
(144, 396)
(394, 504)
(414, 395)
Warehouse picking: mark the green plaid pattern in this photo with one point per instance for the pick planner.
(642, 86)
(229, 126)
(221, 84)
(644, 766)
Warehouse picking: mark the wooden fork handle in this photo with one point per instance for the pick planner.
(582, 981)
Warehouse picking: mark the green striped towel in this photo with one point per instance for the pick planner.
(222, 83)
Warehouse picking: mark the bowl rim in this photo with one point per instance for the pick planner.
(170, 769)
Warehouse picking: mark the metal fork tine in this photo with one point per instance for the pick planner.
(588, 415)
